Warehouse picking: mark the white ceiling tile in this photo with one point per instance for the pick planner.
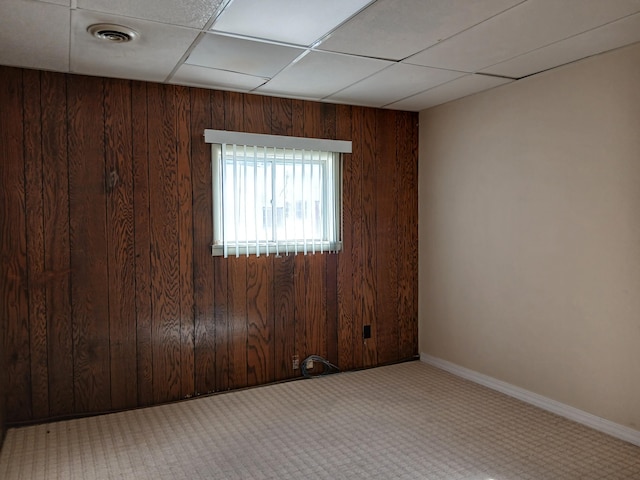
(526, 27)
(458, 88)
(34, 35)
(289, 21)
(188, 13)
(396, 29)
(150, 57)
(196, 76)
(319, 74)
(240, 55)
(613, 35)
(393, 84)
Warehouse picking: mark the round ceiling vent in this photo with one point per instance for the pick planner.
(113, 33)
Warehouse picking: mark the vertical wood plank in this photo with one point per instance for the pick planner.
(331, 288)
(331, 259)
(185, 241)
(142, 225)
(260, 321)
(300, 286)
(407, 181)
(237, 315)
(90, 306)
(346, 328)
(220, 266)
(35, 244)
(386, 234)
(315, 265)
(13, 251)
(357, 256)
(369, 240)
(281, 116)
(120, 240)
(165, 254)
(57, 250)
(236, 273)
(203, 271)
(283, 270)
(284, 311)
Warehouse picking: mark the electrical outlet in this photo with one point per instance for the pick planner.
(296, 362)
(366, 331)
(309, 364)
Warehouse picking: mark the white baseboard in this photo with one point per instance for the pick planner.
(606, 426)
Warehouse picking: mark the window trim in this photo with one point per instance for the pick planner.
(277, 141)
(336, 147)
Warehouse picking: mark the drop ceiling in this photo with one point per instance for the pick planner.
(398, 54)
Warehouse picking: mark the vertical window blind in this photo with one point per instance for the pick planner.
(275, 194)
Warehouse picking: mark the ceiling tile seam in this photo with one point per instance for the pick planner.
(335, 52)
(428, 89)
(221, 8)
(240, 36)
(357, 81)
(555, 42)
(326, 35)
(49, 2)
(184, 56)
(569, 62)
(288, 65)
(226, 71)
(326, 97)
(461, 31)
(495, 75)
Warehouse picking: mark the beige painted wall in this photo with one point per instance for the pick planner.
(530, 234)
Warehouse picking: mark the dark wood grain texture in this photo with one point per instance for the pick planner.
(234, 104)
(260, 321)
(165, 249)
(346, 331)
(185, 241)
(120, 244)
(112, 299)
(354, 199)
(284, 329)
(203, 271)
(407, 148)
(34, 209)
(369, 238)
(57, 248)
(89, 249)
(142, 242)
(299, 268)
(13, 252)
(315, 264)
(220, 267)
(386, 236)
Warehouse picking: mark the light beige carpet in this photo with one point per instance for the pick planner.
(406, 421)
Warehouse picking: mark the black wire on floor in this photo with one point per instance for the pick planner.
(327, 366)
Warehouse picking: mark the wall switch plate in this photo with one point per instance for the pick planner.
(309, 364)
(296, 362)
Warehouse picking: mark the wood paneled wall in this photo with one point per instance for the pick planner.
(111, 298)
(3, 382)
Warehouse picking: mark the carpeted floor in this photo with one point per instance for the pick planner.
(406, 421)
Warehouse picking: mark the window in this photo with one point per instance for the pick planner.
(275, 194)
